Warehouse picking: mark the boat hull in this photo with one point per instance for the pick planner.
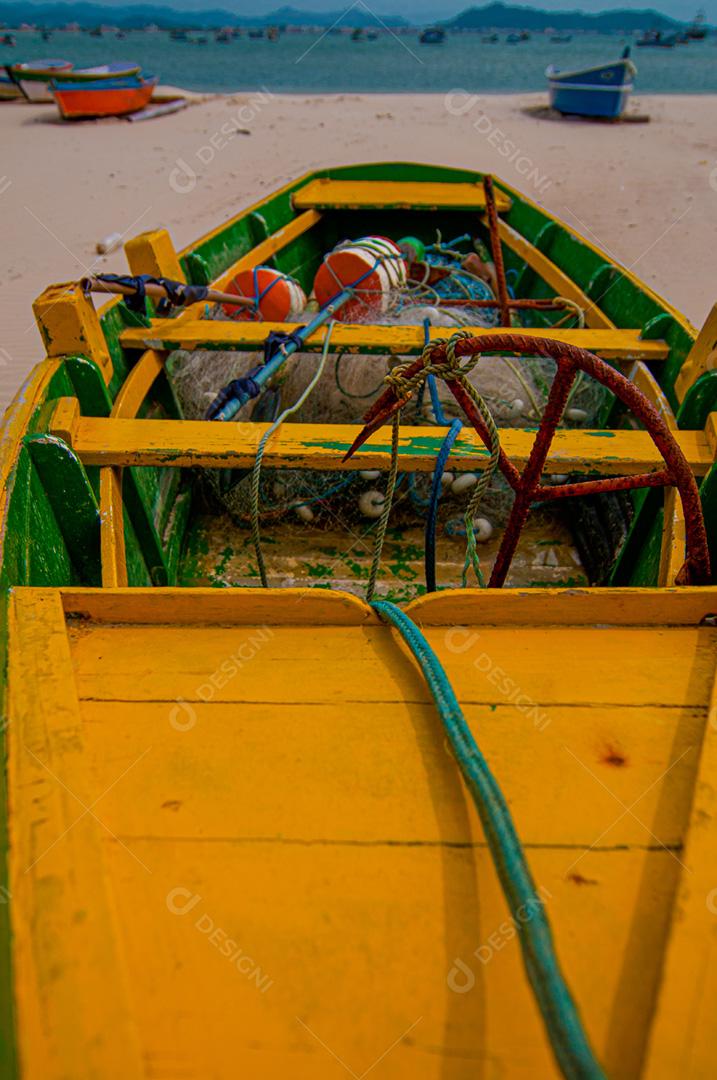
(9, 90)
(103, 98)
(602, 91)
(34, 82)
(209, 729)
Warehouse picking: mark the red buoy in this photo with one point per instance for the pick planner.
(276, 296)
(373, 266)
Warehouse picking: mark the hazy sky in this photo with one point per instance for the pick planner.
(432, 9)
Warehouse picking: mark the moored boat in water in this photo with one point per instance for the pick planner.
(432, 35)
(599, 91)
(215, 636)
(657, 39)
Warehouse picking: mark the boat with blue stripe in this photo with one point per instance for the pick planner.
(601, 91)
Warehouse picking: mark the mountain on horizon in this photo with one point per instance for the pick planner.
(500, 16)
(138, 15)
(494, 16)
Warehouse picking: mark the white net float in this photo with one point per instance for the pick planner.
(277, 297)
(373, 266)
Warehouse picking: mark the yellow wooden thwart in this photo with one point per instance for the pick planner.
(187, 443)
(398, 340)
(326, 194)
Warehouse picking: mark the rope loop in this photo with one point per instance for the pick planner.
(451, 368)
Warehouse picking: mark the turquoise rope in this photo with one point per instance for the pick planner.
(560, 1015)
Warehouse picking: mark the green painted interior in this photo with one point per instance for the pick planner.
(51, 532)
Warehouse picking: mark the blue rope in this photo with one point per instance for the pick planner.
(560, 1015)
(441, 461)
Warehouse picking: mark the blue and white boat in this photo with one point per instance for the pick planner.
(596, 91)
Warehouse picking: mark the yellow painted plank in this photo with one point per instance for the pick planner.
(72, 1019)
(127, 403)
(14, 425)
(369, 924)
(138, 383)
(682, 1038)
(153, 253)
(66, 418)
(397, 340)
(449, 608)
(292, 607)
(392, 798)
(68, 323)
(672, 550)
(625, 666)
(564, 607)
(711, 432)
(357, 959)
(396, 937)
(112, 546)
(327, 194)
(702, 356)
(647, 384)
(185, 443)
(553, 276)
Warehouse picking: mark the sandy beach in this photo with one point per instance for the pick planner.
(645, 192)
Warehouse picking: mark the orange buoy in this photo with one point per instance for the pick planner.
(373, 266)
(277, 297)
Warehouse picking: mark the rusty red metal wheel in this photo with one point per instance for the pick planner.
(527, 487)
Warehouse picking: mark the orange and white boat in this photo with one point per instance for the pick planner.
(103, 97)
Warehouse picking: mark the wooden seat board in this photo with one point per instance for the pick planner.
(117, 441)
(211, 807)
(167, 334)
(327, 194)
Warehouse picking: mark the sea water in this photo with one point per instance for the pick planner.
(319, 63)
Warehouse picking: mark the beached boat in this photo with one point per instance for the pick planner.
(9, 90)
(235, 810)
(35, 76)
(91, 99)
(601, 91)
(117, 70)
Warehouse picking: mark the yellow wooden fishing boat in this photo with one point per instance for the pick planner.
(323, 757)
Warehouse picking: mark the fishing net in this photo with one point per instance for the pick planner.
(439, 290)
(515, 390)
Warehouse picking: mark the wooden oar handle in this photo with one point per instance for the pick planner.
(94, 284)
